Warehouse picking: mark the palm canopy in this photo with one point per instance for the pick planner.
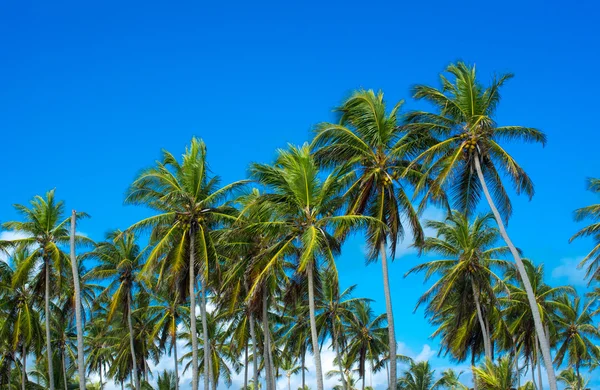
(369, 139)
(419, 376)
(464, 129)
(592, 212)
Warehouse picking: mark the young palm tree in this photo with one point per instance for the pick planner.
(120, 261)
(191, 205)
(419, 376)
(290, 366)
(576, 333)
(592, 259)
(466, 158)
(572, 380)
(469, 256)
(305, 206)
(167, 381)
(369, 139)
(451, 380)
(45, 231)
(501, 376)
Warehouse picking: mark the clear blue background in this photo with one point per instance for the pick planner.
(91, 91)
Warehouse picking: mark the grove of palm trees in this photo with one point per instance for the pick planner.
(224, 280)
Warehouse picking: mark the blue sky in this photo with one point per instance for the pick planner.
(91, 92)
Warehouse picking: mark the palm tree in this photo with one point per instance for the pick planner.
(20, 326)
(469, 256)
(78, 315)
(576, 333)
(190, 205)
(290, 366)
(572, 380)
(419, 376)
(305, 206)
(369, 139)
(120, 261)
(98, 348)
(465, 157)
(451, 380)
(592, 259)
(501, 376)
(44, 231)
(167, 381)
(517, 313)
(367, 336)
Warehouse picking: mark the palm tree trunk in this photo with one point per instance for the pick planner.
(539, 327)
(475, 386)
(208, 375)
(64, 370)
(246, 366)
(304, 366)
(254, 353)
(175, 363)
(274, 371)
(363, 381)
(339, 357)
(390, 315)
(289, 382)
(516, 353)
(539, 364)
(23, 367)
(313, 328)
(266, 342)
(101, 384)
(533, 374)
(78, 317)
(47, 320)
(193, 331)
(484, 330)
(131, 342)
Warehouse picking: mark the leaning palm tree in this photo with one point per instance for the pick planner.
(592, 259)
(369, 139)
(466, 158)
(576, 333)
(120, 261)
(44, 230)
(190, 205)
(306, 207)
(469, 256)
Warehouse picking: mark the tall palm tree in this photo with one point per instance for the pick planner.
(305, 206)
(190, 205)
(120, 261)
(469, 256)
(576, 333)
(367, 336)
(77, 291)
(466, 157)
(369, 139)
(45, 230)
(592, 259)
(98, 342)
(20, 326)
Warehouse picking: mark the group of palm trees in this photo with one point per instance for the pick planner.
(244, 274)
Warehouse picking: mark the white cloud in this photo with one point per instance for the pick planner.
(9, 235)
(568, 270)
(425, 354)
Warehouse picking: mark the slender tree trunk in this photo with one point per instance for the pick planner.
(539, 327)
(475, 386)
(516, 353)
(533, 374)
(363, 381)
(254, 353)
(274, 370)
(539, 365)
(101, 384)
(64, 370)
(78, 316)
(131, 342)
(145, 370)
(484, 330)
(208, 375)
(266, 342)
(47, 319)
(313, 328)
(289, 382)
(193, 331)
(122, 385)
(246, 366)
(131, 378)
(390, 315)
(175, 362)
(339, 357)
(304, 366)
(24, 367)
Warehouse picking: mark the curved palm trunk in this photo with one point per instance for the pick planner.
(254, 352)
(208, 374)
(313, 328)
(78, 316)
(539, 327)
(484, 330)
(64, 371)
(390, 316)
(47, 319)
(24, 367)
(539, 365)
(266, 343)
(174, 342)
(131, 343)
(193, 331)
(339, 357)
